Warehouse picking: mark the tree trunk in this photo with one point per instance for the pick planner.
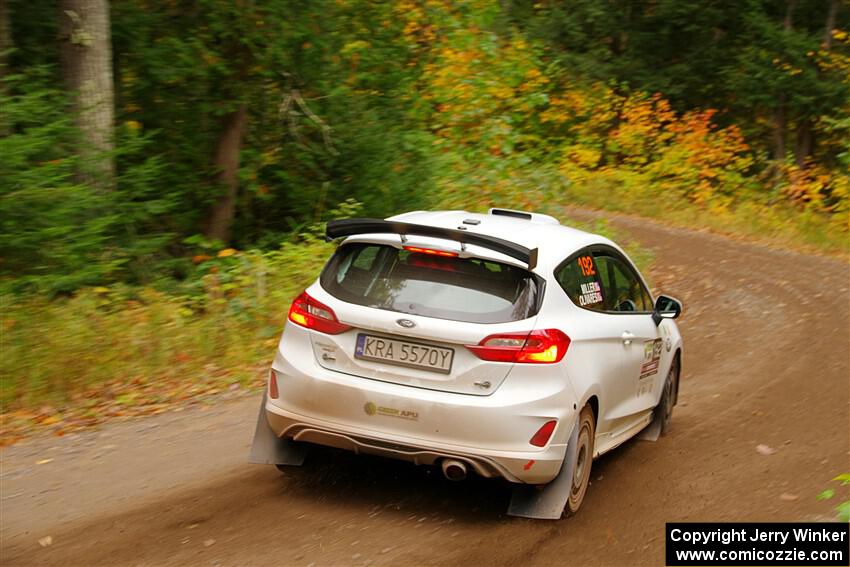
(788, 22)
(610, 129)
(86, 54)
(780, 118)
(830, 24)
(5, 45)
(780, 127)
(5, 37)
(226, 161)
(805, 142)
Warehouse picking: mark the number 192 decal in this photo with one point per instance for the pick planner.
(586, 265)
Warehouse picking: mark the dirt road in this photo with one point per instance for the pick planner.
(767, 337)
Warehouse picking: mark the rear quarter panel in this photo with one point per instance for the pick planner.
(589, 365)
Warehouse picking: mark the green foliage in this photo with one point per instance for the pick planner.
(49, 223)
(771, 69)
(56, 233)
(414, 105)
(842, 509)
(729, 54)
(325, 86)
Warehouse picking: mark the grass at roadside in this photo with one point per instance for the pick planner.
(781, 225)
(71, 362)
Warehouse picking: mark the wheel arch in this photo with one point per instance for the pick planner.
(677, 357)
(592, 397)
(593, 402)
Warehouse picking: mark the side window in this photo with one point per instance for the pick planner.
(580, 279)
(621, 286)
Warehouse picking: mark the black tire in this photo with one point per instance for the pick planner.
(584, 461)
(668, 396)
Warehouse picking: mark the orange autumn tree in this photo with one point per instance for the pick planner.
(638, 142)
(503, 114)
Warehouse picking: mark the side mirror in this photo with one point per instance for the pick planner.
(666, 307)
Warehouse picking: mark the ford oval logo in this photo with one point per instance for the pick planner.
(406, 323)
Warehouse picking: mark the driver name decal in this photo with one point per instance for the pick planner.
(591, 293)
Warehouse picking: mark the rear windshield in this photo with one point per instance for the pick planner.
(469, 289)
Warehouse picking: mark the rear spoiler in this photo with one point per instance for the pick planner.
(349, 227)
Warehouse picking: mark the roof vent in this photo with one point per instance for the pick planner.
(533, 217)
(510, 213)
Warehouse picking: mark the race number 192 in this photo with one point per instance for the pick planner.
(586, 265)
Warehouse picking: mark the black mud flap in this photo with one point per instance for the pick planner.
(652, 431)
(547, 502)
(269, 449)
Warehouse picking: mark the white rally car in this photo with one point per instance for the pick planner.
(502, 343)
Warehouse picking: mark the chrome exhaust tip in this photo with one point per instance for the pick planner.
(453, 470)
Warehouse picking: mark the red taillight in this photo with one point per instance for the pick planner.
(431, 251)
(273, 393)
(308, 312)
(543, 434)
(540, 347)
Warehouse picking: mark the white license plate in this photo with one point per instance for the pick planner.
(404, 353)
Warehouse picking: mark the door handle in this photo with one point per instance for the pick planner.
(627, 337)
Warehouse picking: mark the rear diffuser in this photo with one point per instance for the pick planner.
(547, 502)
(269, 449)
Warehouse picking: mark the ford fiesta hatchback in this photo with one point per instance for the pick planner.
(503, 344)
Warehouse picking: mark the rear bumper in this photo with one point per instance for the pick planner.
(512, 467)
(490, 433)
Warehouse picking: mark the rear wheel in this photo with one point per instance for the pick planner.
(584, 460)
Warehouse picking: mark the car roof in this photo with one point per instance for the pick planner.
(553, 240)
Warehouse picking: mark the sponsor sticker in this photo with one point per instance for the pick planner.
(373, 409)
(651, 358)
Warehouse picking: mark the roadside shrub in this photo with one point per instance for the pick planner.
(218, 326)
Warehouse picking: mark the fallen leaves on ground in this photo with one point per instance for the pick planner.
(134, 397)
(765, 450)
